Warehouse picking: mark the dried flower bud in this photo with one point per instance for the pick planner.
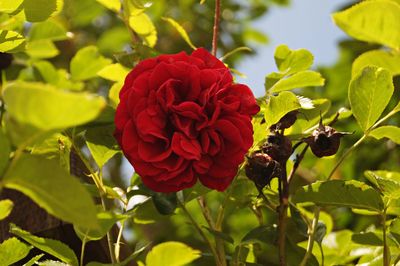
(324, 141)
(278, 146)
(261, 168)
(286, 121)
(5, 60)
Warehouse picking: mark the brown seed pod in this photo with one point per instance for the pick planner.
(261, 168)
(324, 141)
(278, 146)
(286, 121)
(5, 60)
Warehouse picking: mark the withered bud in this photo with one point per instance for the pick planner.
(278, 146)
(324, 141)
(5, 60)
(286, 121)
(261, 168)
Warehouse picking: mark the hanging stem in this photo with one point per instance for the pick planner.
(216, 26)
(311, 236)
(83, 250)
(386, 252)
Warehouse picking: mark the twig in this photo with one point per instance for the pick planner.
(284, 200)
(386, 252)
(299, 158)
(199, 230)
(216, 25)
(83, 249)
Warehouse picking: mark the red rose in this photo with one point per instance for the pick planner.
(181, 118)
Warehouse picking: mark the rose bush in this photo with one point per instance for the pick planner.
(181, 118)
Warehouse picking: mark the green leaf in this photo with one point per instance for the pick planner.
(106, 220)
(39, 10)
(144, 27)
(165, 203)
(352, 194)
(292, 61)
(220, 235)
(378, 58)
(52, 263)
(45, 107)
(12, 250)
(34, 260)
(11, 41)
(300, 79)
(5, 208)
(102, 144)
(172, 254)
(391, 132)
(113, 94)
(113, 5)
(53, 247)
(390, 187)
(369, 94)
(41, 49)
(52, 188)
(4, 151)
(368, 238)
(395, 229)
(375, 21)
(114, 72)
(9, 6)
(278, 106)
(48, 30)
(181, 31)
(87, 62)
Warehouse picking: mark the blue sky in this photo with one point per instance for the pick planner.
(304, 24)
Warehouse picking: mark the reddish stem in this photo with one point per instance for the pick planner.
(216, 25)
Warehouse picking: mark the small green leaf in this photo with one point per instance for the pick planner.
(264, 234)
(300, 79)
(114, 72)
(291, 61)
(144, 27)
(52, 188)
(48, 30)
(378, 58)
(87, 62)
(11, 41)
(369, 94)
(368, 238)
(278, 106)
(39, 10)
(58, 109)
(165, 203)
(113, 5)
(41, 49)
(181, 31)
(391, 132)
(9, 6)
(220, 235)
(172, 254)
(102, 144)
(52, 263)
(352, 193)
(53, 247)
(12, 250)
(375, 21)
(4, 151)
(390, 187)
(5, 208)
(113, 94)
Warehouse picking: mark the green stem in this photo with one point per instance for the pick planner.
(109, 239)
(386, 251)
(199, 230)
(83, 250)
(311, 237)
(344, 156)
(118, 243)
